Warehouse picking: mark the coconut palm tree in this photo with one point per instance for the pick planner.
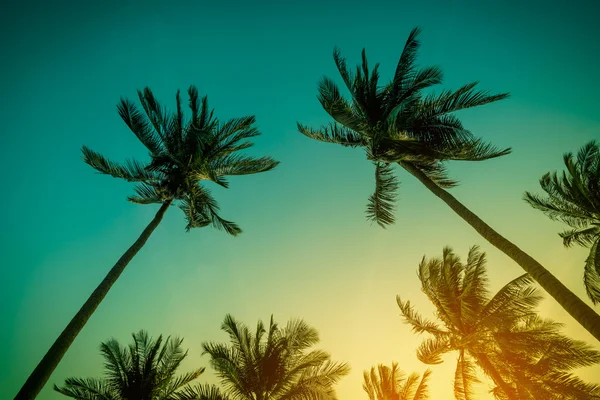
(183, 153)
(385, 383)
(525, 356)
(574, 198)
(145, 370)
(398, 124)
(274, 363)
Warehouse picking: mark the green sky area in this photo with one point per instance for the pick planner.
(307, 250)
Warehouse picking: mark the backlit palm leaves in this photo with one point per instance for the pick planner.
(399, 123)
(274, 363)
(385, 383)
(525, 356)
(573, 197)
(145, 370)
(183, 153)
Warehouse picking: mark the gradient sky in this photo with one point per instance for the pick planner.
(307, 250)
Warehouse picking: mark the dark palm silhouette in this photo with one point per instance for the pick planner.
(145, 370)
(274, 363)
(399, 124)
(525, 356)
(182, 154)
(385, 383)
(574, 198)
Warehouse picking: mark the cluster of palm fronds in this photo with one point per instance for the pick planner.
(526, 356)
(274, 363)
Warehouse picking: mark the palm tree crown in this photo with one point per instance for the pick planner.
(183, 153)
(145, 370)
(274, 363)
(574, 198)
(385, 383)
(398, 123)
(525, 356)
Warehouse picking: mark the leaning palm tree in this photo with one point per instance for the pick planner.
(274, 363)
(145, 370)
(387, 383)
(574, 198)
(398, 124)
(183, 153)
(525, 356)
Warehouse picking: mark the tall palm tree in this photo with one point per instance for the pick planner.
(574, 198)
(525, 356)
(145, 370)
(385, 383)
(274, 363)
(183, 153)
(398, 124)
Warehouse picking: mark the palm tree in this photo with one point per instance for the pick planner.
(525, 356)
(387, 383)
(145, 370)
(274, 363)
(399, 124)
(183, 153)
(574, 198)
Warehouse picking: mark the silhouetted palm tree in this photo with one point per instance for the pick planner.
(399, 124)
(525, 356)
(387, 383)
(183, 153)
(145, 370)
(574, 198)
(274, 363)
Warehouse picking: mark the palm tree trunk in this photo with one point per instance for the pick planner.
(44, 369)
(579, 310)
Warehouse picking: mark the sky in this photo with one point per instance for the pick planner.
(307, 250)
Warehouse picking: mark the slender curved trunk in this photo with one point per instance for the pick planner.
(44, 369)
(572, 304)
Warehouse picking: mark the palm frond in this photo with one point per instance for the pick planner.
(346, 74)
(464, 378)
(422, 391)
(336, 106)
(138, 124)
(418, 324)
(584, 236)
(464, 97)
(591, 273)
(404, 70)
(430, 351)
(146, 194)
(382, 202)
(242, 165)
(132, 171)
(201, 209)
(334, 133)
(86, 389)
(117, 362)
(202, 392)
(156, 114)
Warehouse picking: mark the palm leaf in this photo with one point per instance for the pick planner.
(334, 133)
(381, 203)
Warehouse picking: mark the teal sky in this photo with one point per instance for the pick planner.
(307, 250)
